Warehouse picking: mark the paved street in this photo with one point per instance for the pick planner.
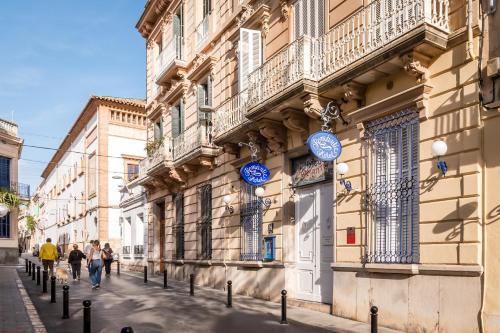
(125, 301)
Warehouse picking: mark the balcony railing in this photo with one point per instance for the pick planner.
(370, 29)
(20, 189)
(139, 249)
(230, 114)
(282, 70)
(173, 51)
(163, 153)
(202, 32)
(9, 127)
(193, 138)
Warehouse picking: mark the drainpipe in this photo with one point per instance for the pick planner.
(470, 37)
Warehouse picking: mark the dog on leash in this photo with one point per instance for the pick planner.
(61, 275)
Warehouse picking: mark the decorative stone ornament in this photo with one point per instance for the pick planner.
(285, 10)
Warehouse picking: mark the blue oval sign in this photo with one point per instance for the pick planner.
(324, 145)
(255, 173)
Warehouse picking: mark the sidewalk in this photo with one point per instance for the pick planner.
(126, 301)
(17, 314)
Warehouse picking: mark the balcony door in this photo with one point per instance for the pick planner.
(314, 229)
(309, 18)
(250, 57)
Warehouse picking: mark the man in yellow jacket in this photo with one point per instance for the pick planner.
(48, 254)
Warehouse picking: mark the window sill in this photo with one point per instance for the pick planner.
(410, 269)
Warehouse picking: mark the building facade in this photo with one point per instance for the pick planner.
(79, 196)
(133, 226)
(10, 152)
(229, 82)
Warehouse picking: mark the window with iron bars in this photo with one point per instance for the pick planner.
(206, 221)
(392, 195)
(179, 225)
(251, 223)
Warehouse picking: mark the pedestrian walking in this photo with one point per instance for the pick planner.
(108, 258)
(75, 260)
(48, 254)
(59, 253)
(86, 251)
(95, 262)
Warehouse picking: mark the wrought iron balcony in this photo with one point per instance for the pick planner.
(169, 59)
(161, 155)
(230, 115)
(20, 189)
(202, 32)
(8, 127)
(195, 141)
(379, 26)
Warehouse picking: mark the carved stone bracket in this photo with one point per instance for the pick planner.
(312, 106)
(294, 120)
(275, 135)
(207, 162)
(355, 91)
(416, 64)
(285, 9)
(232, 148)
(264, 20)
(178, 175)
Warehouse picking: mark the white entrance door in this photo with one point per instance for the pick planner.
(313, 213)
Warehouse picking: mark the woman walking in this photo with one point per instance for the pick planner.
(108, 258)
(75, 260)
(95, 262)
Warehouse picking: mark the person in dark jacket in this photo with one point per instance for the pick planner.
(75, 260)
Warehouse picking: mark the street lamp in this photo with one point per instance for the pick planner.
(259, 193)
(439, 148)
(342, 169)
(227, 201)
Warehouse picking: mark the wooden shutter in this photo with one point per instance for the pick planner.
(209, 91)
(5, 172)
(181, 116)
(175, 121)
(299, 19)
(200, 96)
(250, 54)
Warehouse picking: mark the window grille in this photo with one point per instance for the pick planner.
(251, 223)
(206, 221)
(392, 195)
(179, 226)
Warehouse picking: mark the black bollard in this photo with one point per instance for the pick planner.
(44, 280)
(283, 307)
(127, 330)
(52, 289)
(86, 316)
(165, 279)
(118, 267)
(26, 262)
(229, 294)
(191, 284)
(38, 276)
(374, 315)
(65, 302)
(29, 268)
(33, 269)
(145, 274)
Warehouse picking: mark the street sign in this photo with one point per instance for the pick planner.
(255, 173)
(324, 145)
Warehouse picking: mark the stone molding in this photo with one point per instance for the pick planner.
(410, 269)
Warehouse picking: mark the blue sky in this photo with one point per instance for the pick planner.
(54, 55)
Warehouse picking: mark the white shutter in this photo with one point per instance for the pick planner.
(250, 54)
(299, 18)
(309, 18)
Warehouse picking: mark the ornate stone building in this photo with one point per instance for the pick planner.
(229, 81)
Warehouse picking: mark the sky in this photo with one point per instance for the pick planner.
(54, 54)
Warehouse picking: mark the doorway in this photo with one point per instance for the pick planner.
(314, 230)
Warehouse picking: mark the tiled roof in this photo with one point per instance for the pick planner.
(122, 100)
